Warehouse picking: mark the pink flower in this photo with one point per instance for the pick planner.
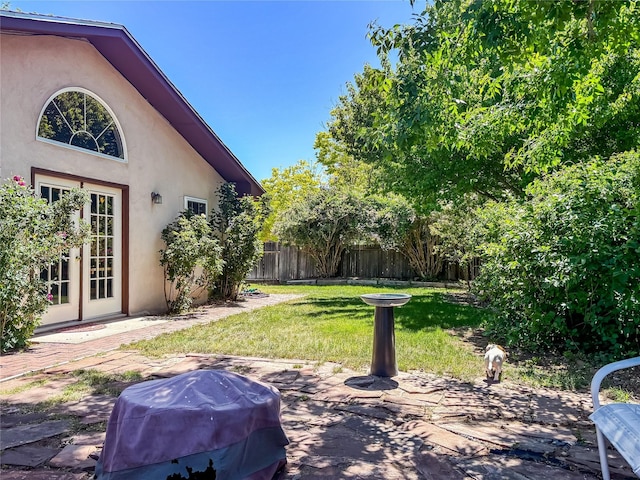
(62, 234)
(17, 178)
(21, 183)
(49, 297)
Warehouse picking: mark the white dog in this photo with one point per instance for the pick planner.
(494, 357)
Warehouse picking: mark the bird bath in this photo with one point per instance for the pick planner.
(385, 299)
(383, 362)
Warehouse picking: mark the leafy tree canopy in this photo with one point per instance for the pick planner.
(342, 170)
(288, 186)
(488, 95)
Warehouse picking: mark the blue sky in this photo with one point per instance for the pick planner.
(263, 74)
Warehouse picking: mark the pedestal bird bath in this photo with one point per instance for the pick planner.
(383, 362)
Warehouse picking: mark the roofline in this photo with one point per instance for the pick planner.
(118, 47)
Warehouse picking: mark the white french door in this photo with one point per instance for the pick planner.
(102, 257)
(62, 277)
(86, 283)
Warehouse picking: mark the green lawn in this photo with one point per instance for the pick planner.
(331, 323)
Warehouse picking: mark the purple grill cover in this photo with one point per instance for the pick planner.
(160, 420)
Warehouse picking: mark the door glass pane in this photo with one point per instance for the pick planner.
(56, 277)
(64, 274)
(64, 292)
(102, 241)
(54, 271)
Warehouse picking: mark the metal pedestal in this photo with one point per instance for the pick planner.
(383, 363)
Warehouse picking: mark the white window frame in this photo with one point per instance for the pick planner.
(124, 158)
(188, 199)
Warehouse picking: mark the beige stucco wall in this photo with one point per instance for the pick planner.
(33, 68)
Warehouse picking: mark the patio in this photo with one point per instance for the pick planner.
(341, 423)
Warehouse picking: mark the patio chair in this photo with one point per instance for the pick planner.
(618, 422)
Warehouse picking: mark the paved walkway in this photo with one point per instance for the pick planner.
(341, 424)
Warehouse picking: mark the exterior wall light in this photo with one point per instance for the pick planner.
(156, 198)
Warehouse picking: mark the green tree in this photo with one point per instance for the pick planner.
(324, 225)
(395, 225)
(191, 260)
(488, 95)
(456, 226)
(288, 186)
(237, 223)
(341, 170)
(33, 234)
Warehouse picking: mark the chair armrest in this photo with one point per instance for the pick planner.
(606, 370)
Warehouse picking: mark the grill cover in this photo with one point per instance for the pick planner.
(200, 421)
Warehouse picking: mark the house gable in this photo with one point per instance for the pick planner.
(122, 51)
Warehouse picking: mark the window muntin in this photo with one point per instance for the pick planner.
(77, 119)
(197, 206)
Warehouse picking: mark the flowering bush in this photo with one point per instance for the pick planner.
(33, 234)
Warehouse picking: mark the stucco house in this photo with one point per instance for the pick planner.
(83, 105)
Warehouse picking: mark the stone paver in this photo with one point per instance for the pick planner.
(75, 456)
(27, 455)
(341, 424)
(30, 433)
(47, 474)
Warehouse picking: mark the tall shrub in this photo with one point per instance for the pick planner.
(395, 225)
(33, 234)
(237, 223)
(324, 225)
(563, 269)
(191, 260)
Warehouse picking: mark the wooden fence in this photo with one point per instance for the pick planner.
(282, 263)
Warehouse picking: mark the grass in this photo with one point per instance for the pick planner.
(92, 382)
(86, 383)
(562, 374)
(434, 334)
(617, 394)
(22, 388)
(332, 324)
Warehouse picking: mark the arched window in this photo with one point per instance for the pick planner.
(76, 118)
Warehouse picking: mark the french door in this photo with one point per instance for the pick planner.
(86, 283)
